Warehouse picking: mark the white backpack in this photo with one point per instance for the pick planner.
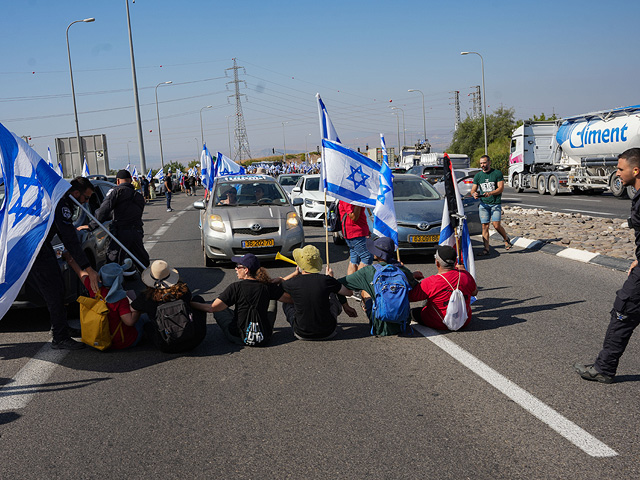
(456, 314)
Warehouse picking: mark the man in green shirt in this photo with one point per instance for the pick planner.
(488, 186)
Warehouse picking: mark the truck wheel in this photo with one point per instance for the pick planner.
(553, 185)
(516, 184)
(631, 191)
(616, 186)
(542, 185)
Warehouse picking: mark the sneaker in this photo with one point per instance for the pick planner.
(169, 209)
(588, 372)
(67, 344)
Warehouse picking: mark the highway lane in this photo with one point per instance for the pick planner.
(355, 407)
(605, 205)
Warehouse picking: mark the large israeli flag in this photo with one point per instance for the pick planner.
(32, 191)
(349, 175)
(225, 166)
(455, 222)
(206, 168)
(384, 214)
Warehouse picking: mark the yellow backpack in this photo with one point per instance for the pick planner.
(94, 322)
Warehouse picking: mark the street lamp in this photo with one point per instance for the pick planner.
(404, 139)
(201, 130)
(306, 147)
(73, 94)
(424, 115)
(284, 143)
(484, 100)
(398, 120)
(143, 163)
(129, 156)
(158, 115)
(197, 147)
(229, 135)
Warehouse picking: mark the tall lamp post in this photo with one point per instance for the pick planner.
(143, 162)
(484, 100)
(229, 135)
(424, 115)
(398, 121)
(284, 143)
(404, 138)
(306, 147)
(73, 94)
(197, 147)
(158, 115)
(201, 129)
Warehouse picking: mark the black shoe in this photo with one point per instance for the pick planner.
(588, 372)
(67, 344)
(74, 332)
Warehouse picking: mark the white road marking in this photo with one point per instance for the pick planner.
(569, 430)
(148, 245)
(171, 220)
(161, 231)
(587, 211)
(524, 242)
(575, 254)
(27, 381)
(529, 205)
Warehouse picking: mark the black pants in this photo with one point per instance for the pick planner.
(45, 276)
(131, 238)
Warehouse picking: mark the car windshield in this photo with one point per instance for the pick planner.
(313, 183)
(288, 180)
(413, 189)
(232, 194)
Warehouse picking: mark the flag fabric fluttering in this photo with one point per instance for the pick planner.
(149, 175)
(207, 171)
(85, 169)
(328, 132)
(32, 191)
(384, 214)
(159, 175)
(128, 167)
(134, 173)
(454, 223)
(225, 166)
(49, 158)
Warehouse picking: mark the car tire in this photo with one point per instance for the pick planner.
(616, 187)
(207, 261)
(631, 191)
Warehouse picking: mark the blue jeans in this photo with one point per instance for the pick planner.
(489, 213)
(168, 197)
(358, 252)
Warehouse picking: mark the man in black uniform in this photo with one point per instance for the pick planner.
(168, 190)
(625, 315)
(45, 275)
(127, 206)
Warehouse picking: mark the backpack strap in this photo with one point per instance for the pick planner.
(445, 279)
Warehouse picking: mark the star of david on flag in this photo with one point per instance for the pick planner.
(225, 166)
(384, 214)
(32, 191)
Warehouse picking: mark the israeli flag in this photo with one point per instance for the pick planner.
(327, 132)
(134, 174)
(32, 191)
(384, 214)
(159, 175)
(128, 167)
(85, 169)
(206, 168)
(448, 231)
(350, 176)
(149, 176)
(60, 172)
(225, 166)
(49, 158)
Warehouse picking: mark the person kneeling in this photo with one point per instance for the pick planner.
(437, 289)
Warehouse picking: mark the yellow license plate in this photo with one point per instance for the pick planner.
(268, 242)
(423, 238)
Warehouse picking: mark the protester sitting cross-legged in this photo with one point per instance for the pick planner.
(164, 287)
(437, 290)
(317, 299)
(254, 296)
(383, 251)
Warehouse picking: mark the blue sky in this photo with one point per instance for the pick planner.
(564, 56)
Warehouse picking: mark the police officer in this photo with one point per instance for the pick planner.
(625, 315)
(45, 275)
(127, 206)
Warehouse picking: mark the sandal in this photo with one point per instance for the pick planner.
(508, 244)
(484, 253)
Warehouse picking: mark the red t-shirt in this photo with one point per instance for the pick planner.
(351, 229)
(129, 334)
(437, 292)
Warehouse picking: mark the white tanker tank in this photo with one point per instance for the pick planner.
(573, 154)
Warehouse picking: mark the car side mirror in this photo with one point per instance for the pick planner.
(297, 202)
(199, 205)
(296, 189)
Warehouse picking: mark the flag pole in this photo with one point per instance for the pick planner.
(326, 227)
(108, 232)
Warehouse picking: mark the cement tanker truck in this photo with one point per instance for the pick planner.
(574, 154)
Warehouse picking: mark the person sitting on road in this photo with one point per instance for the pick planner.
(229, 197)
(317, 299)
(252, 293)
(437, 290)
(384, 252)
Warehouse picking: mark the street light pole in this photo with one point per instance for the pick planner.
(284, 143)
(158, 115)
(306, 147)
(229, 135)
(404, 138)
(201, 129)
(143, 162)
(197, 147)
(424, 115)
(398, 120)
(73, 94)
(484, 101)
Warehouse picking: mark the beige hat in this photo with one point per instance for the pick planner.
(160, 275)
(308, 259)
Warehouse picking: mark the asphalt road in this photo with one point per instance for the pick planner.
(496, 401)
(604, 205)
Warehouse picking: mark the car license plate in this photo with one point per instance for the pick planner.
(423, 238)
(267, 242)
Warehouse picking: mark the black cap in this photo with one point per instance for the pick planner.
(124, 174)
(447, 254)
(249, 260)
(383, 248)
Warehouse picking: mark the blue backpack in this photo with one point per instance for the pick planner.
(391, 303)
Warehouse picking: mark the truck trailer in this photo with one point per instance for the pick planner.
(574, 154)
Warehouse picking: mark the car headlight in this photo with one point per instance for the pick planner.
(216, 224)
(308, 203)
(292, 220)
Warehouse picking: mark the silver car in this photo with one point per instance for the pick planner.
(288, 180)
(248, 214)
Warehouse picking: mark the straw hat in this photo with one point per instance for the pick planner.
(160, 275)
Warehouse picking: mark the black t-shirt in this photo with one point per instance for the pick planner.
(310, 294)
(250, 292)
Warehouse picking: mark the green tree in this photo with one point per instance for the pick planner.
(174, 166)
(194, 163)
